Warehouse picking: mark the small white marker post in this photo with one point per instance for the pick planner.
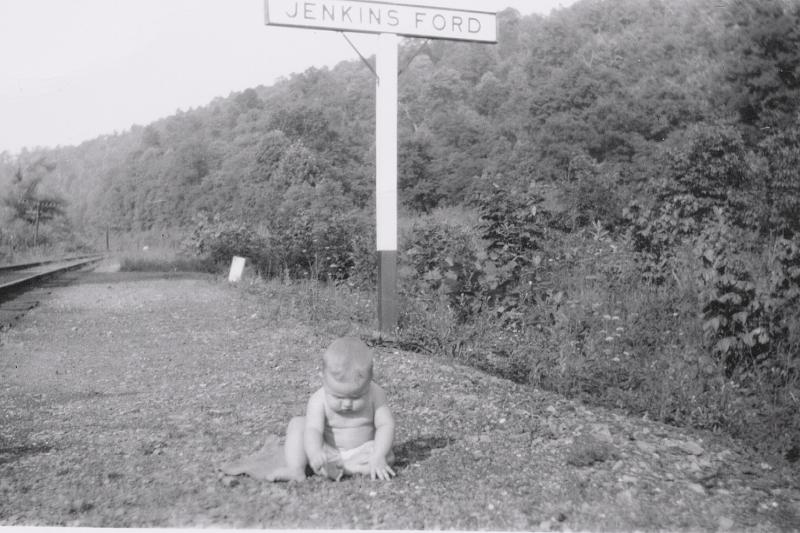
(388, 20)
(237, 268)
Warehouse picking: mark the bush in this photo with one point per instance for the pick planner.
(590, 195)
(708, 163)
(165, 261)
(219, 240)
(328, 248)
(750, 302)
(656, 233)
(442, 261)
(362, 259)
(54, 239)
(603, 332)
(734, 316)
(512, 227)
(300, 246)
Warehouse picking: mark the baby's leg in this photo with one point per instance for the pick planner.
(295, 469)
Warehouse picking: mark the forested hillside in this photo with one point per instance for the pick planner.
(591, 97)
(604, 203)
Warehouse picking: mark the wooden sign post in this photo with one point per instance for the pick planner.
(388, 21)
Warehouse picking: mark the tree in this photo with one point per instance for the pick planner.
(780, 182)
(489, 95)
(248, 99)
(27, 203)
(709, 163)
(300, 164)
(151, 138)
(762, 70)
(306, 123)
(269, 154)
(416, 183)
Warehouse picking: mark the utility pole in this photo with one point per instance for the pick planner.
(36, 231)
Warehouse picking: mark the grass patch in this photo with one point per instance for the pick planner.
(334, 309)
(164, 260)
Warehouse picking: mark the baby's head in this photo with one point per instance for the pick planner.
(347, 363)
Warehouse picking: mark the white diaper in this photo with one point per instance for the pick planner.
(352, 461)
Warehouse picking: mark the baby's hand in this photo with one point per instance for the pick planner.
(317, 461)
(379, 469)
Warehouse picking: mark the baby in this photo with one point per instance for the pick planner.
(348, 427)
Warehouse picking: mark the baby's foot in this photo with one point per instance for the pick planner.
(284, 473)
(332, 470)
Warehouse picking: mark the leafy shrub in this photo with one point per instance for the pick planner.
(751, 326)
(302, 245)
(220, 240)
(308, 245)
(733, 312)
(782, 305)
(708, 163)
(590, 195)
(494, 270)
(362, 258)
(707, 351)
(655, 233)
(779, 193)
(292, 249)
(442, 260)
(512, 227)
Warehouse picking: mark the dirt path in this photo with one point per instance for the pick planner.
(120, 398)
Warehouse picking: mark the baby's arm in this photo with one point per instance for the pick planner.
(315, 425)
(384, 436)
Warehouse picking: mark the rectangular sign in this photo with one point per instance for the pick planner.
(381, 17)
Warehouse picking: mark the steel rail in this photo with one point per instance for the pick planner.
(39, 270)
(24, 266)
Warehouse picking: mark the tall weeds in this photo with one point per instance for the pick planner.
(581, 314)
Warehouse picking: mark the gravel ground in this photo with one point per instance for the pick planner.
(121, 396)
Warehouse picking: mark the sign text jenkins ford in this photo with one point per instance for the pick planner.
(377, 17)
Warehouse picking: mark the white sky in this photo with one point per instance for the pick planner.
(71, 70)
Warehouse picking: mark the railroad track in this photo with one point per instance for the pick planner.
(23, 285)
